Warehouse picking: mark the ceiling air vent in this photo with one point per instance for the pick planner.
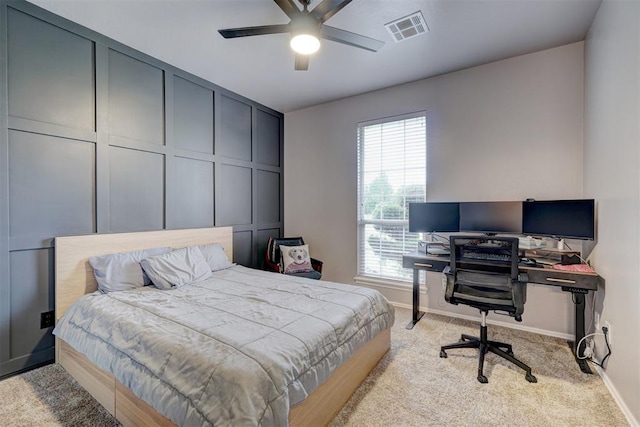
(407, 27)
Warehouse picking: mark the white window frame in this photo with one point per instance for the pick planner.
(361, 221)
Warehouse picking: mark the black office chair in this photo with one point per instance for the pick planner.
(483, 273)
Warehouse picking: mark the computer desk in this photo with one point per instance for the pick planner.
(579, 284)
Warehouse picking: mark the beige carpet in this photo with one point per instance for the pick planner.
(412, 386)
(48, 396)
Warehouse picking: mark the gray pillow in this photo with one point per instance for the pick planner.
(177, 268)
(214, 256)
(122, 271)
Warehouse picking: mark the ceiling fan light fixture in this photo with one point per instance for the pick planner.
(305, 29)
(305, 44)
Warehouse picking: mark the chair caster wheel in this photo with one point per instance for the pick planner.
(531, 378)
(443, 354)
(482, 379)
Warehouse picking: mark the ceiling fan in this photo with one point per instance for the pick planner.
(306, 27)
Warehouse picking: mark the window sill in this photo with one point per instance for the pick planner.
(380, 282)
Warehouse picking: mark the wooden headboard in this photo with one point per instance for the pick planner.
(74, 275)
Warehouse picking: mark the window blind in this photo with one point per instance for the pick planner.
(392, 172)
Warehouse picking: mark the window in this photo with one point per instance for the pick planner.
(392, 172)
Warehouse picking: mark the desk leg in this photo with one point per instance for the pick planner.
(578, 299)
(417, 314)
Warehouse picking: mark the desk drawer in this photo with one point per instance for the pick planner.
(548, 276)
(424, 264)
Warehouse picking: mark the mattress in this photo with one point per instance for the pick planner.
(240, 348)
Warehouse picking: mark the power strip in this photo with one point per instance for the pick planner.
(589, 349)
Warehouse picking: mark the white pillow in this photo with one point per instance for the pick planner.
(214, 256)
(122, 271)
(177, 268)
(295, 259)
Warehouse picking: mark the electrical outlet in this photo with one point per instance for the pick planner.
(47, 319)
(609, 335)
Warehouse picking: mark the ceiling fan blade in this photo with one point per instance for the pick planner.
(231, 33)
(288, 7)
(302, 62)
(328, 8)
(349, 38)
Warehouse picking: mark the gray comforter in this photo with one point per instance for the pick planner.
(238, 349)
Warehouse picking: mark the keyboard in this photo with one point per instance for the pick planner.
(486, 256)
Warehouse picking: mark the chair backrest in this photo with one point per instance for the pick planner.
(484, 274)
(501, 252)
(273, 247)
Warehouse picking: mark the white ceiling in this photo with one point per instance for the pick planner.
(463, 33)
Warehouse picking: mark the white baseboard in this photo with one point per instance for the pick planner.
(616, 396)
(406, 287)
(510, 325)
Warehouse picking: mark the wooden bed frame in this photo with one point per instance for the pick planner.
(74, 278)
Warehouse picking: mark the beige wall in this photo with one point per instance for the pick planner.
(508, 130)
(612, 177)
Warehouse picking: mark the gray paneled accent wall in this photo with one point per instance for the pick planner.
(96, 137)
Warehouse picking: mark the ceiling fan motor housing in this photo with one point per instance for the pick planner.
(305, 24)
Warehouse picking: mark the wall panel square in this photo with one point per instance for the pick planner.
(193, 116)
(267, 138)
(193, 201)
(235, 129)
(51, 186)
(242, 246)
(233, 196)
(268, 197)
(31, 289)
(51, 77)
(136, 99)
(136, 190)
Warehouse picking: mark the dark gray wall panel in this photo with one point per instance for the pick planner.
(136, 190)
(51, 186)
(242, 245)
(89, 120)
(262, 237)
(136, 99)
(193, 186)
(193, 116)
(267, 138)
(50, 73)
(235, 129)
(233, 201)
(268, 197)
(31, 287)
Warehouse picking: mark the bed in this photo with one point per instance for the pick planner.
(348, 365)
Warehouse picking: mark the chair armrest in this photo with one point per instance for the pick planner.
(448, 292)
(519, 298)
(316, 264)
(271, 266)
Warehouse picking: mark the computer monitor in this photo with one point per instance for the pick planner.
(491, 217)
(571, 219)
(434, 217)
